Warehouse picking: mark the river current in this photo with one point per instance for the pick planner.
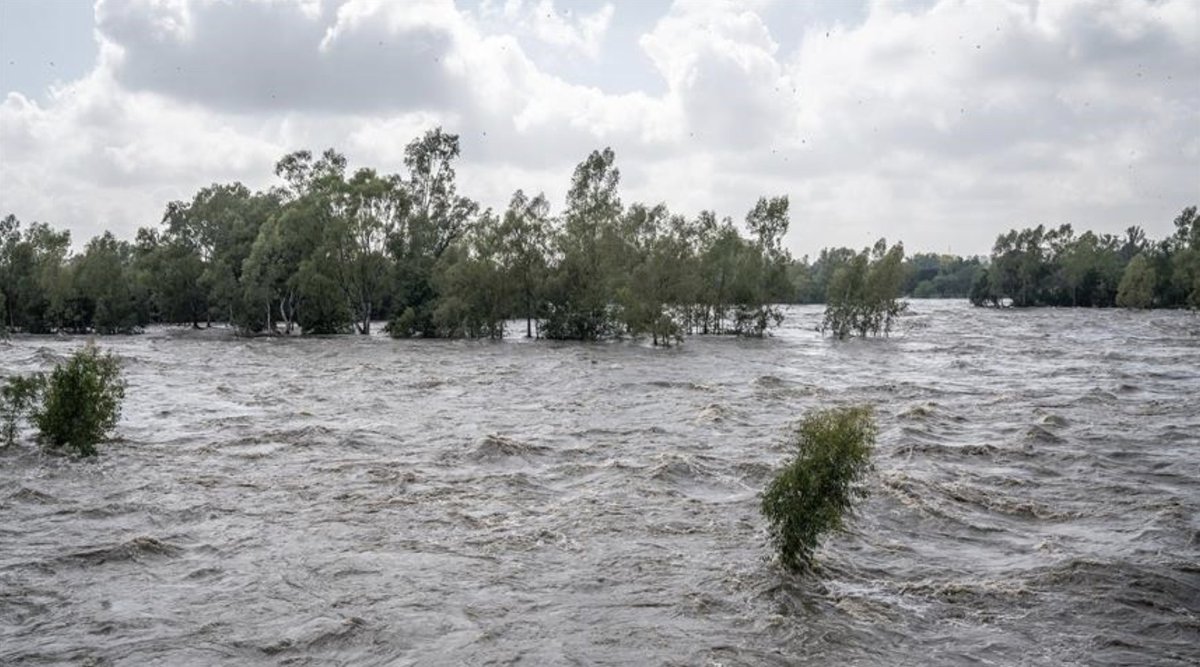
(365, 501)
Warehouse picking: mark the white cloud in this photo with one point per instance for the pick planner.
(939, 124)
(564, 30)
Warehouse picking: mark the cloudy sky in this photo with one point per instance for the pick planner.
(937, 122)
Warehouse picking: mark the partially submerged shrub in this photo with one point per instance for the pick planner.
(813, 494)
(16, 398)
(81, 401)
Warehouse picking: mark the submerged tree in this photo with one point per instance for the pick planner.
(17, 396)
(816, 490)
(329, 251)
(1137, 285)
(1056, 267)
(369, 208)
(103, 281)
(435, 218)
(864, 293)
(579, 301)
(74, 407)
(762, 273)
(81, 401)
(523, 247)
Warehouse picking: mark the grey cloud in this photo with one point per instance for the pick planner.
(251, 57)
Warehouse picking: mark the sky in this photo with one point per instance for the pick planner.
(939, 123)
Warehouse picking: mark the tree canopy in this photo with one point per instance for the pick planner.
(329, 250)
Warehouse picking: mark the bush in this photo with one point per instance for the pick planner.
(814, 492)
(16, 397)
(81, 401)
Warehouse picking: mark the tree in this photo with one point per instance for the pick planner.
(982, 291)
(816, 490)
(473, 296)
(81, 401)
(649, 271)
(763, 269)
(436, 218)
(177, 275)
(863, 297)
(1137, 284)
(17, 397)
(1091, 269)
(581, 291)
(290, 265)
(523, 245)
(104, 281)
(34, 276)
(368, 210)
(1185, 260)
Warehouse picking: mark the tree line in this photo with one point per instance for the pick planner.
(331, 251)
(1042, 266)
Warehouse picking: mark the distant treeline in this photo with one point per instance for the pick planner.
(330, 251)
(1054, 267)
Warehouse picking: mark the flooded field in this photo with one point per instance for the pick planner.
(1036, 500)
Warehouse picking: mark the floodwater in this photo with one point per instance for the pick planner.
(1036, 500)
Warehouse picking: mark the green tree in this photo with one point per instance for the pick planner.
(580, 303)
(81, 401)
(35, 277)
(762, 270)
(436, 217)
(473, 296)
(291, 265)
(1137, 284)
(863, 297)
(816, 490)
(1185, 257)
(369, 208)
(647, 284)
(220, 225)
(17, 397)
(104, 281)
(523, 240)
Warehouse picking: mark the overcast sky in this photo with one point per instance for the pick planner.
(938, 123)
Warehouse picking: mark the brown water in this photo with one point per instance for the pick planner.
(369, 501)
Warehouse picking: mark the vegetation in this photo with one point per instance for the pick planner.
(816, 491)
(17, 396)
(75, 407)
(1137, 283)
(1055, 267)
(864, 292)
(330, 251)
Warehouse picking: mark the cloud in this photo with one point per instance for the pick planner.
(541, 20)
(274, 56)
(939, 123)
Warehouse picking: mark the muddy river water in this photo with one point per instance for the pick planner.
(362, 501)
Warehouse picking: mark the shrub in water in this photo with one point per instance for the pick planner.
(815, 491)
(16, 397)
(81, 401)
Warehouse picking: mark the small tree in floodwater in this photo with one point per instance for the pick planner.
(814, 493)
(16, 398)
(80, 402)
(863, 294)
